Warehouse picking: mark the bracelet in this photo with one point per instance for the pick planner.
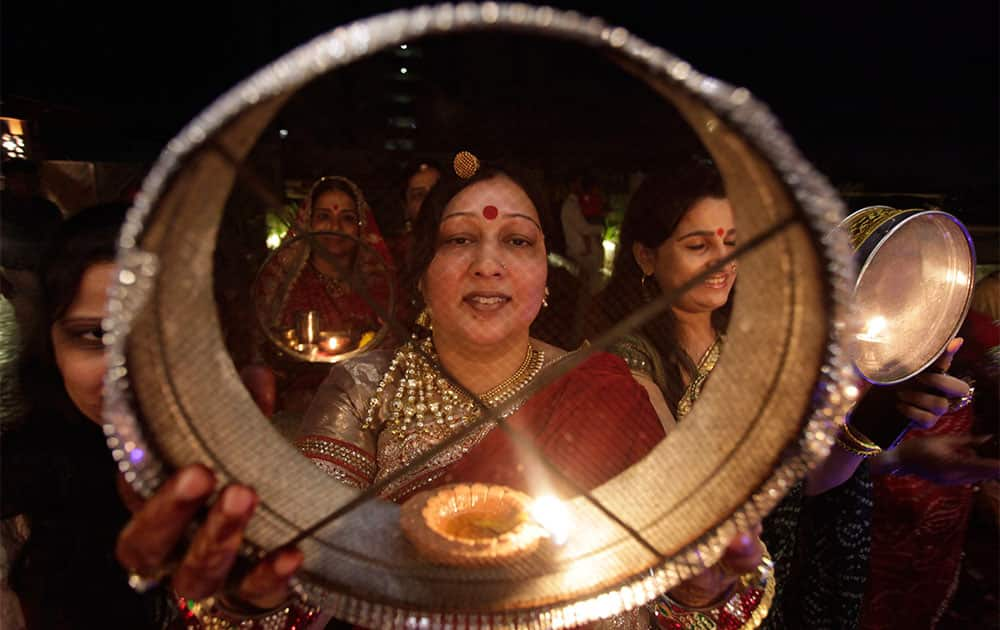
(853, 441)
(711, 607)
(744, 610)
(212, 613)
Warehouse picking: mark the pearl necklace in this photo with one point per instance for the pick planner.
(425, 401)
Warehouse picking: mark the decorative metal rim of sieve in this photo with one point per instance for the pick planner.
(823, 211)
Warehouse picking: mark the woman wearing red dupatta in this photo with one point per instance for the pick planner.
(332, 277)
(591, 424)
(481, 258)
(924, 514)
(329, 274)
(480, 268)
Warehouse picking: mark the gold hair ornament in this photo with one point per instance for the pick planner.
(466, 165)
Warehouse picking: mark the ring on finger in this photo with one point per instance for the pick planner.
(960, 402)
(142, 582)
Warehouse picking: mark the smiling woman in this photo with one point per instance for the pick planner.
(323, 293)
(376, 421)
(479, 272)
(679, 223)
(486, 280)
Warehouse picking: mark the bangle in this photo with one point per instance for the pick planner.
(745, 609)
(213, 613)
(707, 608)
(853, 441)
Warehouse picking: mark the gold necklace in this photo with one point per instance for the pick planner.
(705, 366)
(425, 401)
(504, 390)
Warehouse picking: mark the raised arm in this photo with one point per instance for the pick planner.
(914, 402)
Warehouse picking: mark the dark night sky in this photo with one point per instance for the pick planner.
(891, 96)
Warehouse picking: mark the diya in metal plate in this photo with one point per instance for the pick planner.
(310, 338)
(914, 287)
(471, 524)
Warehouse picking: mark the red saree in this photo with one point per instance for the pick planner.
(591, 424)
(918, 530)
(587, 434)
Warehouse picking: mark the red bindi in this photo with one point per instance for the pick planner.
(720, 232)
(490, 212)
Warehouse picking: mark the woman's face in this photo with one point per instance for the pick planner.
(486, 282)
(705, 234)
(76, 341)
(336, 211)
(417, 189)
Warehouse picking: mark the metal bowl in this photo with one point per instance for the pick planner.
(471, 525)
(917, 269)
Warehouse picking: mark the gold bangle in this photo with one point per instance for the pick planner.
(742, 608)
(863, 452)
(718, 602)
(853, 441)
(859, 437)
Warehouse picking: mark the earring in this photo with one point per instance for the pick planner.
(647, 295)
(424, 319)
(545, 297)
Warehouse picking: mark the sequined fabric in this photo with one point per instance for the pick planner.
(918, 533)
(331, 434)
(744, 611)
(359, 453)
(640, 356)
(820, 546)
(618, 431)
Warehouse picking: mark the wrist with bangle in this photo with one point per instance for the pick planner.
(222, 613)
(857, 443)
(743, 606)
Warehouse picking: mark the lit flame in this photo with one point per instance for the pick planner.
(874, 328)
(550, 513)
(609, 253)
(333, 343)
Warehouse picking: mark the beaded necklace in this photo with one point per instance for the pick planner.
(425, 401)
